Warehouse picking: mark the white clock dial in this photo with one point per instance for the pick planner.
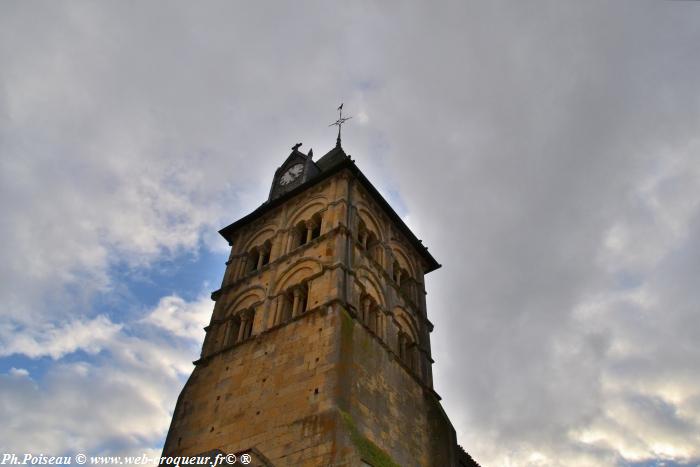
(291, 174)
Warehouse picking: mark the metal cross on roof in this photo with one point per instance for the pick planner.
(339, 123)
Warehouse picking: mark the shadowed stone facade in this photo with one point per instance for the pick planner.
(318, 349)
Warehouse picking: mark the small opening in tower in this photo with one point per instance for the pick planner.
(315, 226)
(396, 272)
(373, 247)
(253, 258)
(266, 250)
(300, 234)
(362, 233)
(248, 324)
(316, 391)
(303, 297)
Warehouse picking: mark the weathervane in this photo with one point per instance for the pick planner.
(339, 123)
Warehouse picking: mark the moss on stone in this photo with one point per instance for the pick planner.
(369, 451)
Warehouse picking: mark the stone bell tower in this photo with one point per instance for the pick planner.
(318, 349)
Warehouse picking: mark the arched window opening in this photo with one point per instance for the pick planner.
(293, 302)
(408, 350)
(300, 294)
(304, 303)
(248, 317)
(403, 346)
(300, 235)
(362, 234)
(315, 226)
(234, 325)
(373, 318)
(370, 313)
(265, 255)
(396, 272)
(252, 261)
(373, 247)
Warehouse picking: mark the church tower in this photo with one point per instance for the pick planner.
(318, 349)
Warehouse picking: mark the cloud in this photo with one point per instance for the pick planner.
(19, 372)
(118, 402)
(181, 318)
(56, 341)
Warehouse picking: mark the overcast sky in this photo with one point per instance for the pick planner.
(548, 153)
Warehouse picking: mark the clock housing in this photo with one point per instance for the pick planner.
(294, 171)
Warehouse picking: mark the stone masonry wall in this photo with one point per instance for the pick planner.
(321, 389)
(273, 392)
(387, 405)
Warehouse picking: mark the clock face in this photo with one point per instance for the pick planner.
(291, 174)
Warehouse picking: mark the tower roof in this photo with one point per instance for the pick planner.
(331, 163)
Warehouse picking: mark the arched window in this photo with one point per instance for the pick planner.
(300, 235)
(252, 260)
(232, 331)
(292, 303)
(265, 253)
(305, 231)
(374, 319)
(403, 345)
(370, 314)
(396, 272)
(368, 241)
(373, 247)
(315, 226)
(362, 234)
(303, 292)
(408, 350)
(247, 320)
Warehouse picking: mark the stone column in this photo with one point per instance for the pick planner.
(227, 332)
(241, 328)
(248, 325)
(278, 311)
(242, 267)
(295, 307)
(364, 309)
